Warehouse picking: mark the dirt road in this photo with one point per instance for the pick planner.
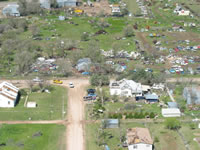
(75, 126)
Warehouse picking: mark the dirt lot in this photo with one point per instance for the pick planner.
(98, 7)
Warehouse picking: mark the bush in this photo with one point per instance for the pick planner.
(156, 140)
(128, 31)
(152, 115)
(172, 123)
(23, 92)
(192, 126)
(36, 89)
(84, 37)
(99, 80)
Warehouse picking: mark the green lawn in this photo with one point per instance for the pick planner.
(21, 137)
(49, 107)
(166, 138)
(132, 6)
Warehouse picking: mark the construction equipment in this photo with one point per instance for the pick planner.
(56, 81)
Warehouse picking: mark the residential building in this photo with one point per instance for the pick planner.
(64, 3)
(125, 87)
(8, 95)
(139, 139)
(171, 112)
(151, 97)
(11, 10)
(115, 9)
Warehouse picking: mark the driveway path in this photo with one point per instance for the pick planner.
(75, 125)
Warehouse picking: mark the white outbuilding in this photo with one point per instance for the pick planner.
(31, 105)
(171, 112)
(8, 95)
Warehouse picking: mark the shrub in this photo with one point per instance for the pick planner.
(152, 115)
(172, 123)
(156, 140)
(36, 89)
(23, 92)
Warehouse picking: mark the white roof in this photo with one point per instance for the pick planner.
(8, 91)
(170, 111)
(127, 84)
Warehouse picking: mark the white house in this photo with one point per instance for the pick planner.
(8, 94)
(127, 88)
(139, 139)
(171, 112)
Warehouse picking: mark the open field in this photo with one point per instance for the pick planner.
(50, 106)
(31, 137)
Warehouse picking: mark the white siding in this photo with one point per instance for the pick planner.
(115, 91)
(140, 146)
(5, 102)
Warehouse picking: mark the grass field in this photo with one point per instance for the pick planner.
(49, 107)
(166, 138)
(132, 6)
(18, 137)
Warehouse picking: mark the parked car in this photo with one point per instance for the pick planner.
(57, 81)
(37, 79)
(71, 85)
(86, 98)
(91, 91)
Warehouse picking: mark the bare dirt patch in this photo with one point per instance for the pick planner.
(98, 7)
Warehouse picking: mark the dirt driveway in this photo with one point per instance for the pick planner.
(75, 126)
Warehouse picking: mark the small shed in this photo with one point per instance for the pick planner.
(172, 105)
(110, 123)
(31, 105)
(171, 112)
(151, 98)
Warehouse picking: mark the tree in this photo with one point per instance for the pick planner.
(22, 7)
(54, 3)
(23, 60)
(35, 30)
(30, 84)
(116, 48)
(172, 123)
(93, 52)
(99, 80)
(85, 36)
(65, 68)
(128, 31)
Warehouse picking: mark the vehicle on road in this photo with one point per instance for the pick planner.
(57, 81)
(71, 85)
(87, 98)
(37, 79)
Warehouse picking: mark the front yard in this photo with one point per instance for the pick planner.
(50, 106)
(164, 139)
(32, 137)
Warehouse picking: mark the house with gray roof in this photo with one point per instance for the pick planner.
(11, 10)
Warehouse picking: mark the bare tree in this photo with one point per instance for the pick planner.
(30, 84)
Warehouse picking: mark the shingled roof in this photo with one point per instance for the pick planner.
(138, 135)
